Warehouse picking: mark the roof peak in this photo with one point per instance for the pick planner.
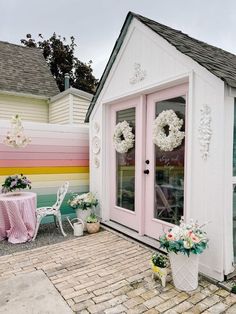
(143, 19)
(217, 61)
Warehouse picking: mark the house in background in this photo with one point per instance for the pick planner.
(28, 88)
(26, 83)
(54, 121)
(145, 189)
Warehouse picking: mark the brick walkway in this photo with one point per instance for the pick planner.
(105, 273)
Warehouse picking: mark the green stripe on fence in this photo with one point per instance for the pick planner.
(49, 200)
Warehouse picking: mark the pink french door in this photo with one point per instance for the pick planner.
(125, 208)
(147, 184)
(165, 182)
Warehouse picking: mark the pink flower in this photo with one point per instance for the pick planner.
(194, 238)
(170, 236)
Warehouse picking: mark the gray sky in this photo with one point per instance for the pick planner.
(96, 24)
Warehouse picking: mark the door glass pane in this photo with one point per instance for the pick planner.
(125, 166)
(169, 170)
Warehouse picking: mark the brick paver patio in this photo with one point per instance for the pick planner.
(106, 273)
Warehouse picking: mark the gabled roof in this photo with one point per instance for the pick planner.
(217, 61)
(24, 70)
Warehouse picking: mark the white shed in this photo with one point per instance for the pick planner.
(146, 189)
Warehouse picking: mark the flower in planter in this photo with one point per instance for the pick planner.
(93, 224)
(159, 263)
(160, 260)
(185, 238)
(16, 182)
(83, 201)
(184, 243)
(92, 218)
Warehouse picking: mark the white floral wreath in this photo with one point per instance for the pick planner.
(174, 138)
(123, 137)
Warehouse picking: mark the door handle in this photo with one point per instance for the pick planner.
(146, 171)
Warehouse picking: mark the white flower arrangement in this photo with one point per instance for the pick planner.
(186, 238)
(174, 138)
(123, 137)
(83, 201)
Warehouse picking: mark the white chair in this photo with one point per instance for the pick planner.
(165, 211)
(53, 210)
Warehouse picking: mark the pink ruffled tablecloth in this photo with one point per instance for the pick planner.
(17, 216)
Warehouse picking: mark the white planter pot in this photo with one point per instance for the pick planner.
(83, 215)
(184, 271)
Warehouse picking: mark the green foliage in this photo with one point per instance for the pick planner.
(178, 246)
(160, 260)
(233, 290)
(61, 60)
(91, 218)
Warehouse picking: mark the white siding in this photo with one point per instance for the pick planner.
(59, 111)
(29, 109)
(80, 107)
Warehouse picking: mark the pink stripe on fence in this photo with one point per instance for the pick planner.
(48, 156)
(46, 148)
(43, 163)
(60, 141)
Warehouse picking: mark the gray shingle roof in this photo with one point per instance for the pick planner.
(217, 61)
(24, 70)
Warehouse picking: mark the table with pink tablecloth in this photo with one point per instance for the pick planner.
(17, 216)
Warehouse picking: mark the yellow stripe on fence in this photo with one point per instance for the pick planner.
(43, 170)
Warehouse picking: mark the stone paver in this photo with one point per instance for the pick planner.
(105, 273)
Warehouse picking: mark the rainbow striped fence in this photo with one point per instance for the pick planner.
(57, 153)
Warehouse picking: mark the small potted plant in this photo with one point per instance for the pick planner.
(160, 263)
(93, 224)
(184, 244)
(83, 204)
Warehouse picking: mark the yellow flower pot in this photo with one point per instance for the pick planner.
(159, 272)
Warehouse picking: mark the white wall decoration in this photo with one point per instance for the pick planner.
(123, 138)
(96, 127)
(205, 131)
(96, 162)
(15, 137)
(139, 74)
(96, 144)
(174, 139)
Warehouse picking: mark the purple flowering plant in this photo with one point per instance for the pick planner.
(16, 182)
